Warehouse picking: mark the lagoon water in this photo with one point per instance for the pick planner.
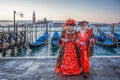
(46, 50)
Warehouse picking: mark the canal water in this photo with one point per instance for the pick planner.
(46, 50)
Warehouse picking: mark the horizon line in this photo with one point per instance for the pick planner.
(60, 20)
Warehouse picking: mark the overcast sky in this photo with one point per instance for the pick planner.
(107, 11)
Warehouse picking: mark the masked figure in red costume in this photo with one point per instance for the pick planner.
(68, 60)
(84, 43)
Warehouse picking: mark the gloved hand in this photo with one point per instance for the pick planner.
(91, 40)
(76, 41)
(64, 40)
(82, 43)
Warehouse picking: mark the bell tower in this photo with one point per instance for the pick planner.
(34, 17)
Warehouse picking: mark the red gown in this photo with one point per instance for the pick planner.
(84, 57)
(70, 63)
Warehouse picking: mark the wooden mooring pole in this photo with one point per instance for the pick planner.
(9, 40)
(112, 28)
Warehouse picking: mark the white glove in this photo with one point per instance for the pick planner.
(76, 41)
(64, 40)
(82, 43)
(90, 40)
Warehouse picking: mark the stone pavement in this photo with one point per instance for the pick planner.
(43, 69)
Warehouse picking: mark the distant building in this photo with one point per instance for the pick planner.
(34, 17)
(42, 22)
(58, 24)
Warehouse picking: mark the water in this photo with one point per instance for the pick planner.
(46, 50)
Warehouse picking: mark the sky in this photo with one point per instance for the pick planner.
(107, 11)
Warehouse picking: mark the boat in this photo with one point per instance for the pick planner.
(98, 38)
(39, 42)
(109, 43)
(117, 36)
(54, 40)
(102, 36)
(105, 40)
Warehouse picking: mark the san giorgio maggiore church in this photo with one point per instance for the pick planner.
(43, 22)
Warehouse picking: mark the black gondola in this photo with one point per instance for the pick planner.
(117, 36)
(39, 42)
(105, 40)
(54, 40)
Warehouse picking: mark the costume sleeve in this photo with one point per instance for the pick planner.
(62, 36)
(93, 41)
(78, 42)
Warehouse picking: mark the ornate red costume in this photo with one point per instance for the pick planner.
(84, 42)
(69, 63)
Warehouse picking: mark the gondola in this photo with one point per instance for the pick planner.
(105, 40)
(117, 36)
(54, 40)
(39, 42)
(98, 38)
(102, 36)
(109, 43)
